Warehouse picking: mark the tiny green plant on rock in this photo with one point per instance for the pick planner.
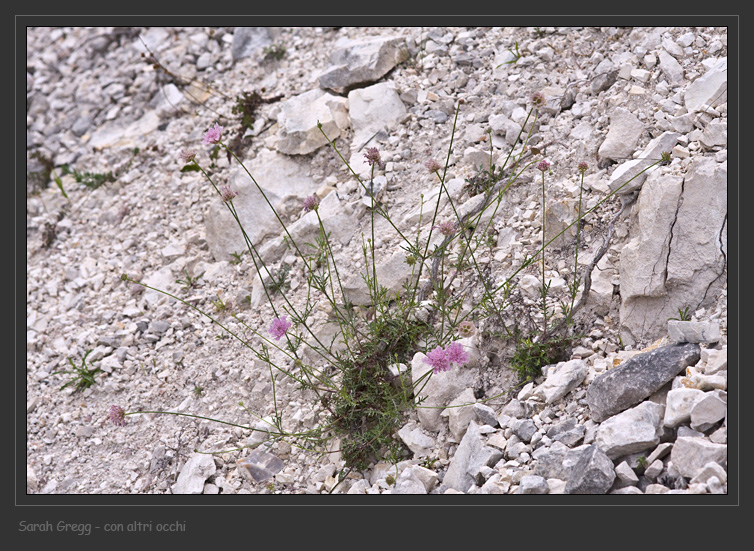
(82, 377)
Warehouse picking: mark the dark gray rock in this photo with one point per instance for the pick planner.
(249, 40)
(557, 460)
(638, 378)
(568, 432)
(524, 429)
(594, 473)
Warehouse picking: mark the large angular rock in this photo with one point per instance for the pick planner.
(690, 455)
(561, 379)
(284, 180)
(557, 461)
(710, 89)
(623, 136)
(670, 68)
(635, 430)
(247, 41)
(678, 404)
(436, 391)
(306, 230)
(472, 454)
(686, 266)
(356, 62)
(198, 468)
(298, 130)
(391, 274)
(693, 331)
(372, 110)
(643, 258)
(638, 378)
(594, 473)
(629, 177)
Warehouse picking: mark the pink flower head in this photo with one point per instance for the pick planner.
(537, 99)
(279, 327)
(446, 228)
(187, 155)
(456, 353)
(441, 358)
(311, 203)
(373, 157)
(433, 166)
(227, 193)
(212, 135)
(583, 167)
(438, 359)
(117, 416)
(543, 166)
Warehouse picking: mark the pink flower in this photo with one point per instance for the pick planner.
(311, 203)
(441, 358)
(117, 416)
(212, 135)
(227, 193)
(446, 228)
(432, 165)
(373, 157)
(187, 156)
(279, 327)
(543, 166)
(438, 359)
(456, 353)
(583, 167)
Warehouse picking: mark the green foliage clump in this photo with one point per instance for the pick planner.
(81, 376)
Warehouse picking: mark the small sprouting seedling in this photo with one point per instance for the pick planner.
(516, 56)
(189, 282)
(198, 390)
(236, 257)
(642, 462)
(429, 463)
(82, 376)
(683, 315)
(275, 51)
(220, 304)
(539, 33)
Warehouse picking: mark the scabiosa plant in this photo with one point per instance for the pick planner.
(446, 228)
(187, 155)
(311, 203)
(279, 327)
(543, 165)
(432, 166)
(117, 416)
(583, 167)
(438, 359)
(373, 157)
(213, 135)
(442, 359)
(227, 193)
(456, 354)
